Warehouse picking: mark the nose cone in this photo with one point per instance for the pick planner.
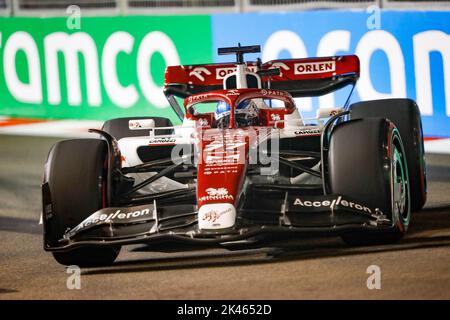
(216, 216)
(221, 173)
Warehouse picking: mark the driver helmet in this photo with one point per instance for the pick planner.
(246, 113)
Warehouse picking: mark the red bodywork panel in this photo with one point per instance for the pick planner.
(222, 165)
(202, 74)
(291, 70)
(224, 158)
(224, 152)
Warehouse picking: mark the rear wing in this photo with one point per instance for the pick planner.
(300, 77)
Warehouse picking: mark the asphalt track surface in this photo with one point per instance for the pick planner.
(418, 267)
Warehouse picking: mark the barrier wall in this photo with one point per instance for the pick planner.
(113, 66)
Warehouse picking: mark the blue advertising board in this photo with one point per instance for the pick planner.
(402, 53)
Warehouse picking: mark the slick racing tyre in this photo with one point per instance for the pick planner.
(119, 127)
(405, 114)
(367, 163)
(73, 189)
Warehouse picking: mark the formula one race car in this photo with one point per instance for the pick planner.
(244, 164)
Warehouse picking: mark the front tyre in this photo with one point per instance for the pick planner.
(73, 189)
(405, 114)
(367, 162)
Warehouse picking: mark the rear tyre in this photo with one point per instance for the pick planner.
(74, 179)
(367, 162)
(119, 127)
(405, 114)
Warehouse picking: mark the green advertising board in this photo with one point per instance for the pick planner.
(108, 67)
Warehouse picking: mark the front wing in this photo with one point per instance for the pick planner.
(312, 215)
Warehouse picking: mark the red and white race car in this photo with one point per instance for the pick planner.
(243, 164)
